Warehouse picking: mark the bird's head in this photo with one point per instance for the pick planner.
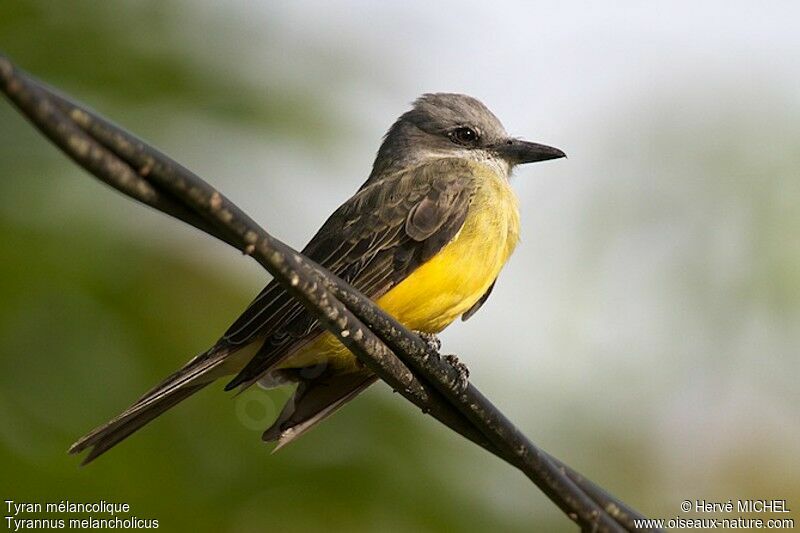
(454, 125)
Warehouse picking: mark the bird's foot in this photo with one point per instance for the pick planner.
(461, 368)
(431, 339)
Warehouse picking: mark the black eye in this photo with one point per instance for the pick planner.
(464, 135)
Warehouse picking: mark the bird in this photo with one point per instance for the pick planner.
(425, 237)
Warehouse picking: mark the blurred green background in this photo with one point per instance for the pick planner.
(646, 330)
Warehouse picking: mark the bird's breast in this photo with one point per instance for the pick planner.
(452, 281)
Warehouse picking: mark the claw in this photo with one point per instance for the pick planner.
(431, 339)
(461, 368)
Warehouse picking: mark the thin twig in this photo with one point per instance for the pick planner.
(136, 169)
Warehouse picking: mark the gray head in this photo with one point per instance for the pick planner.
(453, 125)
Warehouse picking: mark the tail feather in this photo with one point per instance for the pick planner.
(108, 436)
(195, 375)
(314, 401)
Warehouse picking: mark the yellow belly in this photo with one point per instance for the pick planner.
(447, 285)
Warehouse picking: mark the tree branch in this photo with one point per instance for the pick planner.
(386, 347)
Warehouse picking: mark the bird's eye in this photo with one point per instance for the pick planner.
(464, 135)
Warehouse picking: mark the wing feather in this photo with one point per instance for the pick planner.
(373, 241)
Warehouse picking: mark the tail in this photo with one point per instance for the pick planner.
(313, 401)
(195, 375)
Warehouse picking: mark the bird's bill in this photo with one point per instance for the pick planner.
(517, 151)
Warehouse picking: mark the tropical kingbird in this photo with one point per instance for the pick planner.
(425, 237)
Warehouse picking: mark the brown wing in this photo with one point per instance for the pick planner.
(373, 241)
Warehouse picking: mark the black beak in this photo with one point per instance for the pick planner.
(517, 152)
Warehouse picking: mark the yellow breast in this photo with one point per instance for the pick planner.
(451, 282)
(447, 285)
